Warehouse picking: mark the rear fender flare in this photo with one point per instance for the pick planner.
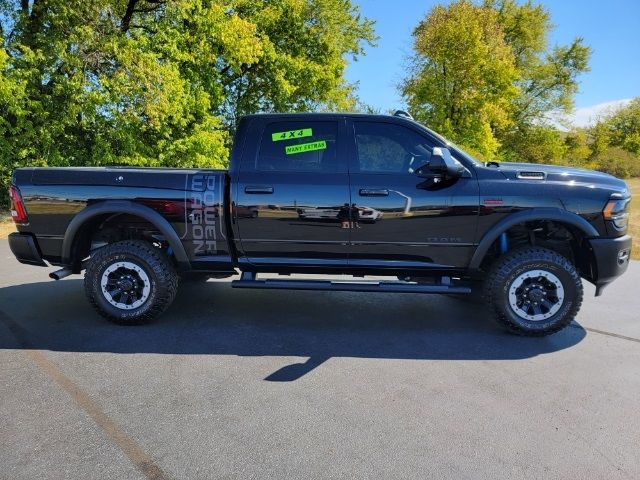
(126, 207)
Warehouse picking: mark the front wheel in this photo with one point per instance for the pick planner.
(533, 291)
(130, 282)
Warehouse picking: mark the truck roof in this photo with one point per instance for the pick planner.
(320, 115)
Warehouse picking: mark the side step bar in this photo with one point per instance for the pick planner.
(348, 286)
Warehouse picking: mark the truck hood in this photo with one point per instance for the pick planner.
(567, 175)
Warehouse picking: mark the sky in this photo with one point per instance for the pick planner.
(611, 29)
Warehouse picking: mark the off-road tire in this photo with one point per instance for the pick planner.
(158, 268)
(507, 268)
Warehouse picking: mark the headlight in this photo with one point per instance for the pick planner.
(616, 211)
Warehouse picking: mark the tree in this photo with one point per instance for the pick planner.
(159, 82)
(536, 144)
(462, 76)
(304, 45)
(623, 127)
(485, 76)
(577, 146)
(600, 137)
(12, 110)
(547, 78)
(615, 141)
(618, 162)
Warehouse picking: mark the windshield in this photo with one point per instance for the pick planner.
(456, 150)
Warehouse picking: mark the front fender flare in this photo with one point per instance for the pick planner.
(126, 207)
(553, 214)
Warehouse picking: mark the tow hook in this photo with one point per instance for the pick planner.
(623, 256)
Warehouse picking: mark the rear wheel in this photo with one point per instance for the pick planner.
(130, 282)
(533, 291)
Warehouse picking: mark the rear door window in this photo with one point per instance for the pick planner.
(300, 147)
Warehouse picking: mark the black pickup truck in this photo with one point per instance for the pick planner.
(360, 195)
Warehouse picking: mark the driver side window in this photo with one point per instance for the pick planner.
(389, 148)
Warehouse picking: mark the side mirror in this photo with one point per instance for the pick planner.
(442, 164)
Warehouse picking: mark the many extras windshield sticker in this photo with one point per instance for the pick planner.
(292, 134)
(306, 147)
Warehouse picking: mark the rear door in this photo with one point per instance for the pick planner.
(291, 192)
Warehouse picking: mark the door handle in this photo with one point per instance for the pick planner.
(374, 192)
(258, 190)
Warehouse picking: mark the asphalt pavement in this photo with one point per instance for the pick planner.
(282, 384)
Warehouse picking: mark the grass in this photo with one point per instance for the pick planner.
(6, 224)
(634, 220)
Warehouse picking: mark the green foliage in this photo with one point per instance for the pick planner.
(302, 59)
(485, 76)
(578, 149)
(608, 146)
(615, 141)
(535, 144)
(547, 78)
(600, 137)
(155, 82)
(462, 76)
(617, 162)
(622, 127)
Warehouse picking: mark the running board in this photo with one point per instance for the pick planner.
(347, 286)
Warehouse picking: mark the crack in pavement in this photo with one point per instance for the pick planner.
(602, 332)
(128, 445)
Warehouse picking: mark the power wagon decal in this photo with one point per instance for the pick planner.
(204, 214)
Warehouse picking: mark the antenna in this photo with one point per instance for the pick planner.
(403, 114)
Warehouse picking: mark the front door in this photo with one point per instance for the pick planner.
(291, 195)
(399, 220)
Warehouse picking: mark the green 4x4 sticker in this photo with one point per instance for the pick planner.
(292, 134)
(306, 147)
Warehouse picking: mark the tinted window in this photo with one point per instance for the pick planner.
(389, 148)
(299, 147)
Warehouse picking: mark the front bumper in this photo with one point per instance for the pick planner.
(610, 259)
(25, 248)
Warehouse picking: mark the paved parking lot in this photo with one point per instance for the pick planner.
(276, 384)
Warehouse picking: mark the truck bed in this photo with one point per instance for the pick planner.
(54, 197)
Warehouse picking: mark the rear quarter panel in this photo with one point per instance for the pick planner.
(192, 201)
